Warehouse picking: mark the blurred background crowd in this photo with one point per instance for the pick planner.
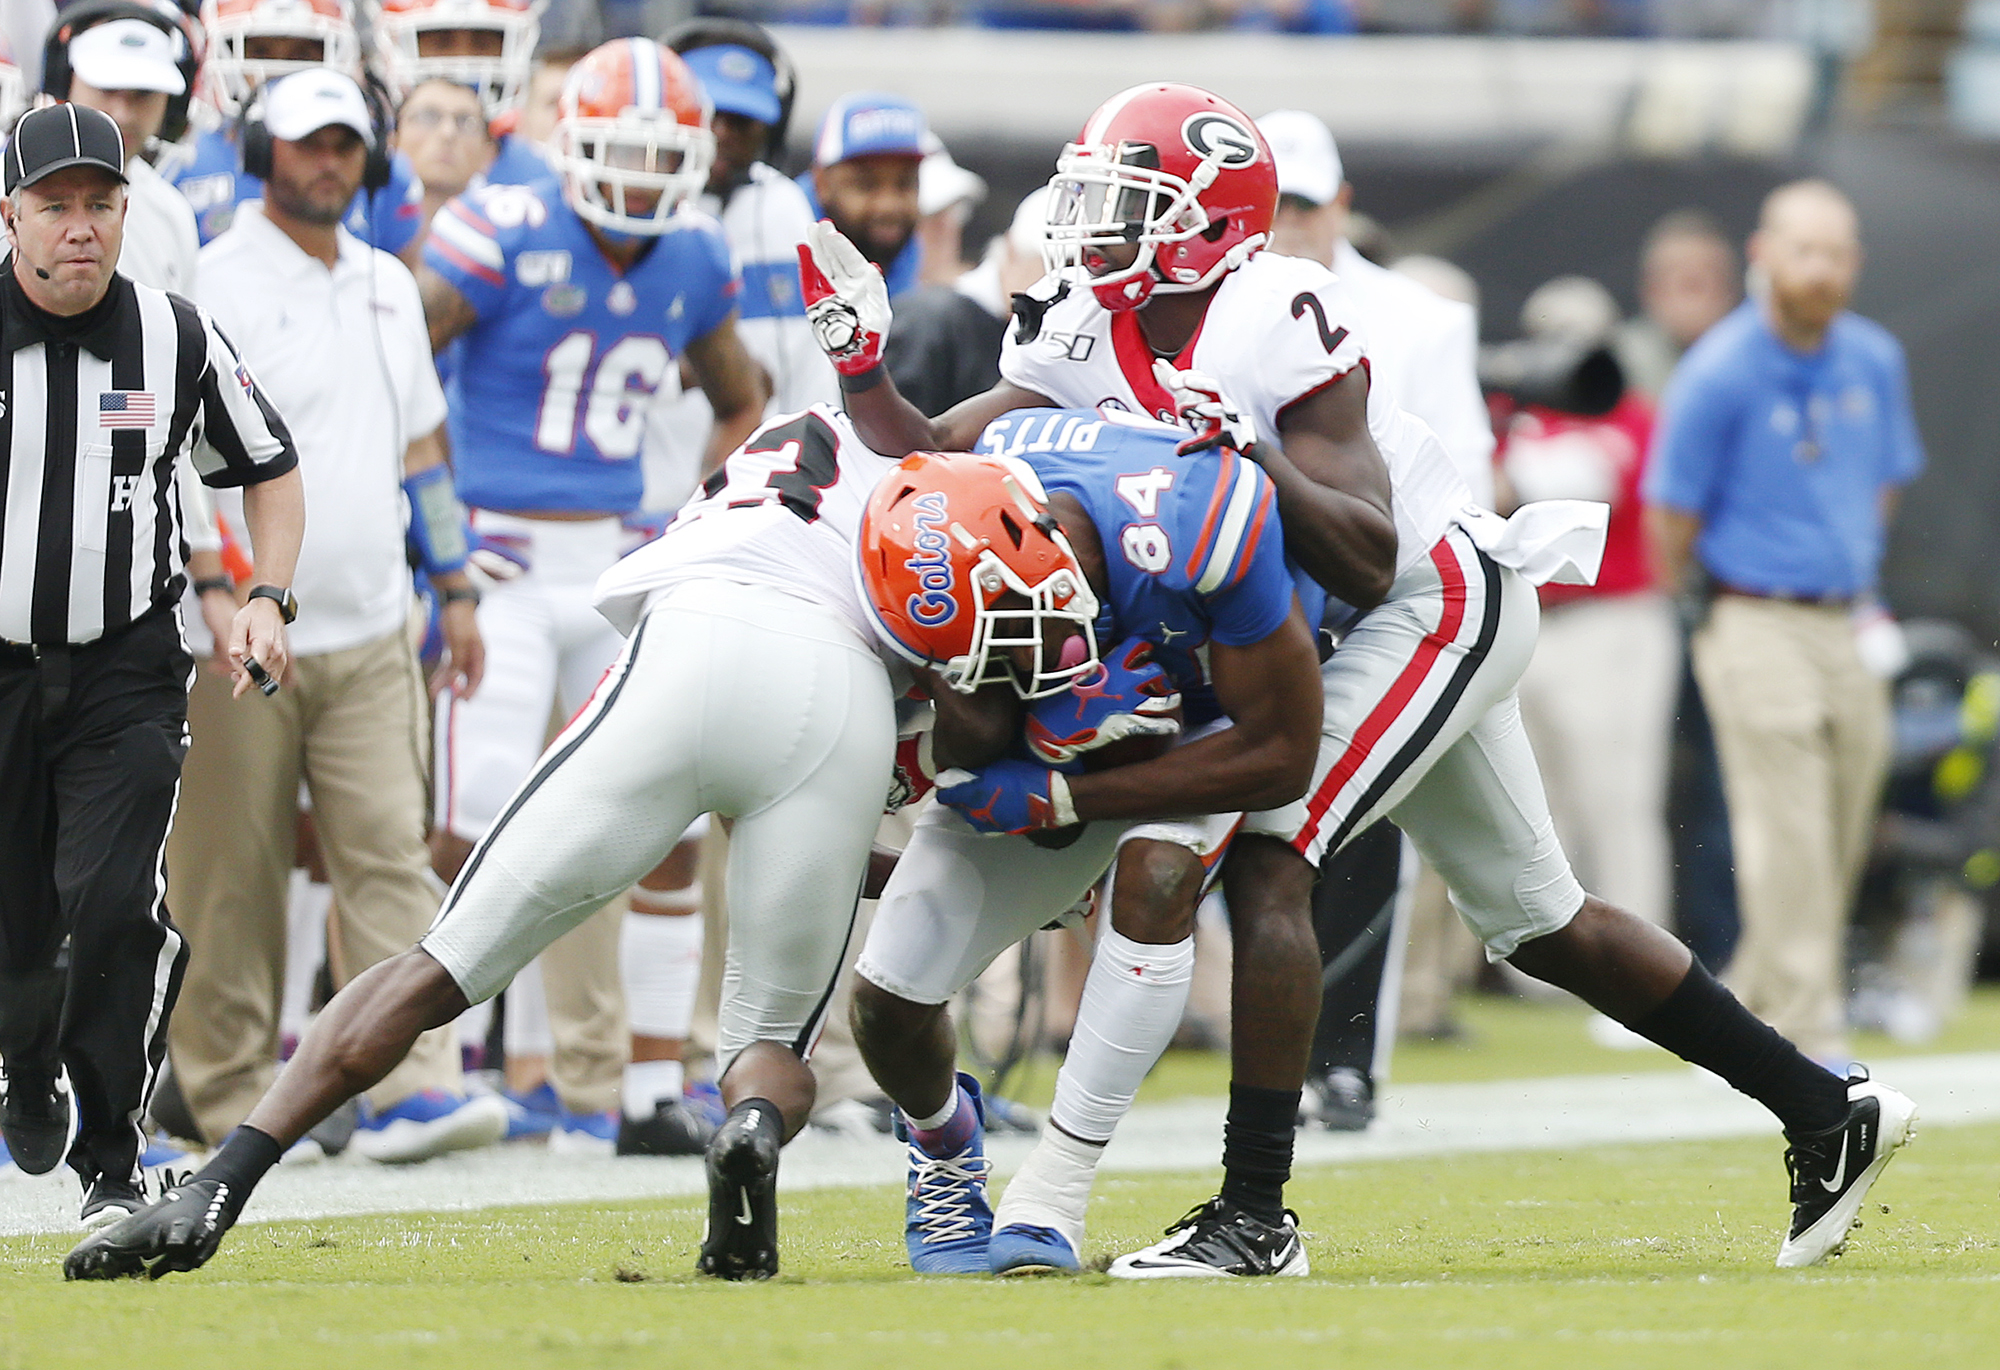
(1580, 180)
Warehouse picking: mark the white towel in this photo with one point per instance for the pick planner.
(1558, 541)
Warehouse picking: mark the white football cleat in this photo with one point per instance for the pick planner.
(1832, 1170)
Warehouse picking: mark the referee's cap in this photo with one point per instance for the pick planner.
(55, 137)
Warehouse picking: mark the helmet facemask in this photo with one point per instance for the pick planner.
(1061, 599)
(234, 75)
(1106, 196)
(608, 163)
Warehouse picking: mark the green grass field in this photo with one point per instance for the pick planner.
(1653, 1256)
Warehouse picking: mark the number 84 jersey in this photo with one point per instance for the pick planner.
(553, 382)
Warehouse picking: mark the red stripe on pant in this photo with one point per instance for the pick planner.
(1399, 696)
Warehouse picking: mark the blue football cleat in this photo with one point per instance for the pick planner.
(1022, 1249)
(533, 1113)
(947, 1220)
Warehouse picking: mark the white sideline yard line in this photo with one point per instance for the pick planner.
(1416, 1120)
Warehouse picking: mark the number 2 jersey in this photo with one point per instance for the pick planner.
(1277, 330)
(784, 510)
(1193, 550)
(552, 384)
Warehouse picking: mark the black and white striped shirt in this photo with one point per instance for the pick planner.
(97, 407)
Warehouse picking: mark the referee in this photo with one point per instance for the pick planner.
(103, 385)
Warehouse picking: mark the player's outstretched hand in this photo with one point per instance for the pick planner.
(1009, 796)
(847, 301)
(1216, 420)
(1129, 696)
(180, 1231)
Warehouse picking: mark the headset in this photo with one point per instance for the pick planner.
(255, 139)
(716, 31)
(84, 14)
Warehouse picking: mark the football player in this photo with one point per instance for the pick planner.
(743, 614)
(487, 46)
(1158, 215)
(255, 41)
(1187, 559)
(573, 301)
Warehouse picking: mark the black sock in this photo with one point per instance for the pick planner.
(1257, 1148)
(1704, 1023)
(240, 1162)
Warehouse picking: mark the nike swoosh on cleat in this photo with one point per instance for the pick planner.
(1833, 1185)
(745, 1218)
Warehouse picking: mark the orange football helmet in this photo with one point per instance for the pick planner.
(945, 539)
(411, 34)
(632, 126)
(231, 73)
(1182, 174)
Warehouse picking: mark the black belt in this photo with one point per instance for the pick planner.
(53, 663)
(1818, 601)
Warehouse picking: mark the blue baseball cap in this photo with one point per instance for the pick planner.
(870, 124)
(738, 80)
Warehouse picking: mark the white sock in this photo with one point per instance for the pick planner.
(1052, 1187)
(661, 961)
(1132, 1006)
(648, 1082)
(942, 1116)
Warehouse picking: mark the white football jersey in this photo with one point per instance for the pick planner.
(1277, 329)
(784, 510)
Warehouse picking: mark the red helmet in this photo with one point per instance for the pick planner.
(1179, 173)
(632, 122)
(947, 536)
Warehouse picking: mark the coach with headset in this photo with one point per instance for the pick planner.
(336, 334)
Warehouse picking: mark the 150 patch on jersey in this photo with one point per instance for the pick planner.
(533, 269)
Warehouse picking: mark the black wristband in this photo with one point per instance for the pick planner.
(460, 594)
(206, 584)
(866, 381)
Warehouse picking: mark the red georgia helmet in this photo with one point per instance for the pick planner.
(1172, 169)
(944, 538)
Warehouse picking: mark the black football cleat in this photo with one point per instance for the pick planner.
(1832, 1170)
(1219, 1239)
(35, 1120)
(1341, 1100)
(673, 1130)
(742, 1238)
(178, 1232)
(106, 1200)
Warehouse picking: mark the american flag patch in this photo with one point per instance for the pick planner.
(243, 378)
(125, 409)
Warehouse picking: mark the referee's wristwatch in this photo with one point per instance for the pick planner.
(288, 605)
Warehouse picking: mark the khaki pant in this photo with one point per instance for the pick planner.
(1598, 702)
(1802, 729)
(351, 725)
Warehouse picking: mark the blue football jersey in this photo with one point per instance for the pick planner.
(552, 383)
(518, 162)
(1192, 545)
(214, 183)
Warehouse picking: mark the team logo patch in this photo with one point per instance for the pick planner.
(1209, 134)
(564, 301)
(934, 605)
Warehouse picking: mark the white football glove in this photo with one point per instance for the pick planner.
(847, 302)
(1203, 406)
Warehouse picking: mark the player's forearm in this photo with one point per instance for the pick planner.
(887, 422)
(1345, 542)
(972, 730)
(275, 511)
(730, 432)
(1222, 773)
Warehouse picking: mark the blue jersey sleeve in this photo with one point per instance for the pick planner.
(389, 217)
(714, 283)
(1904, 459)
(469, 244)
(1694, 443)
(1237, 565)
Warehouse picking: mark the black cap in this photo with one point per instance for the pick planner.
(57, 136)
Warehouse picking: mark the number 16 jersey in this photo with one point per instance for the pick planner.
(552, 383)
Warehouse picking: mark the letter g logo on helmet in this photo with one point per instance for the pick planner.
(1209, 134)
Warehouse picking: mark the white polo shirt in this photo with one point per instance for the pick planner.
(161, 241)
(345, 357)
(1424, 347)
